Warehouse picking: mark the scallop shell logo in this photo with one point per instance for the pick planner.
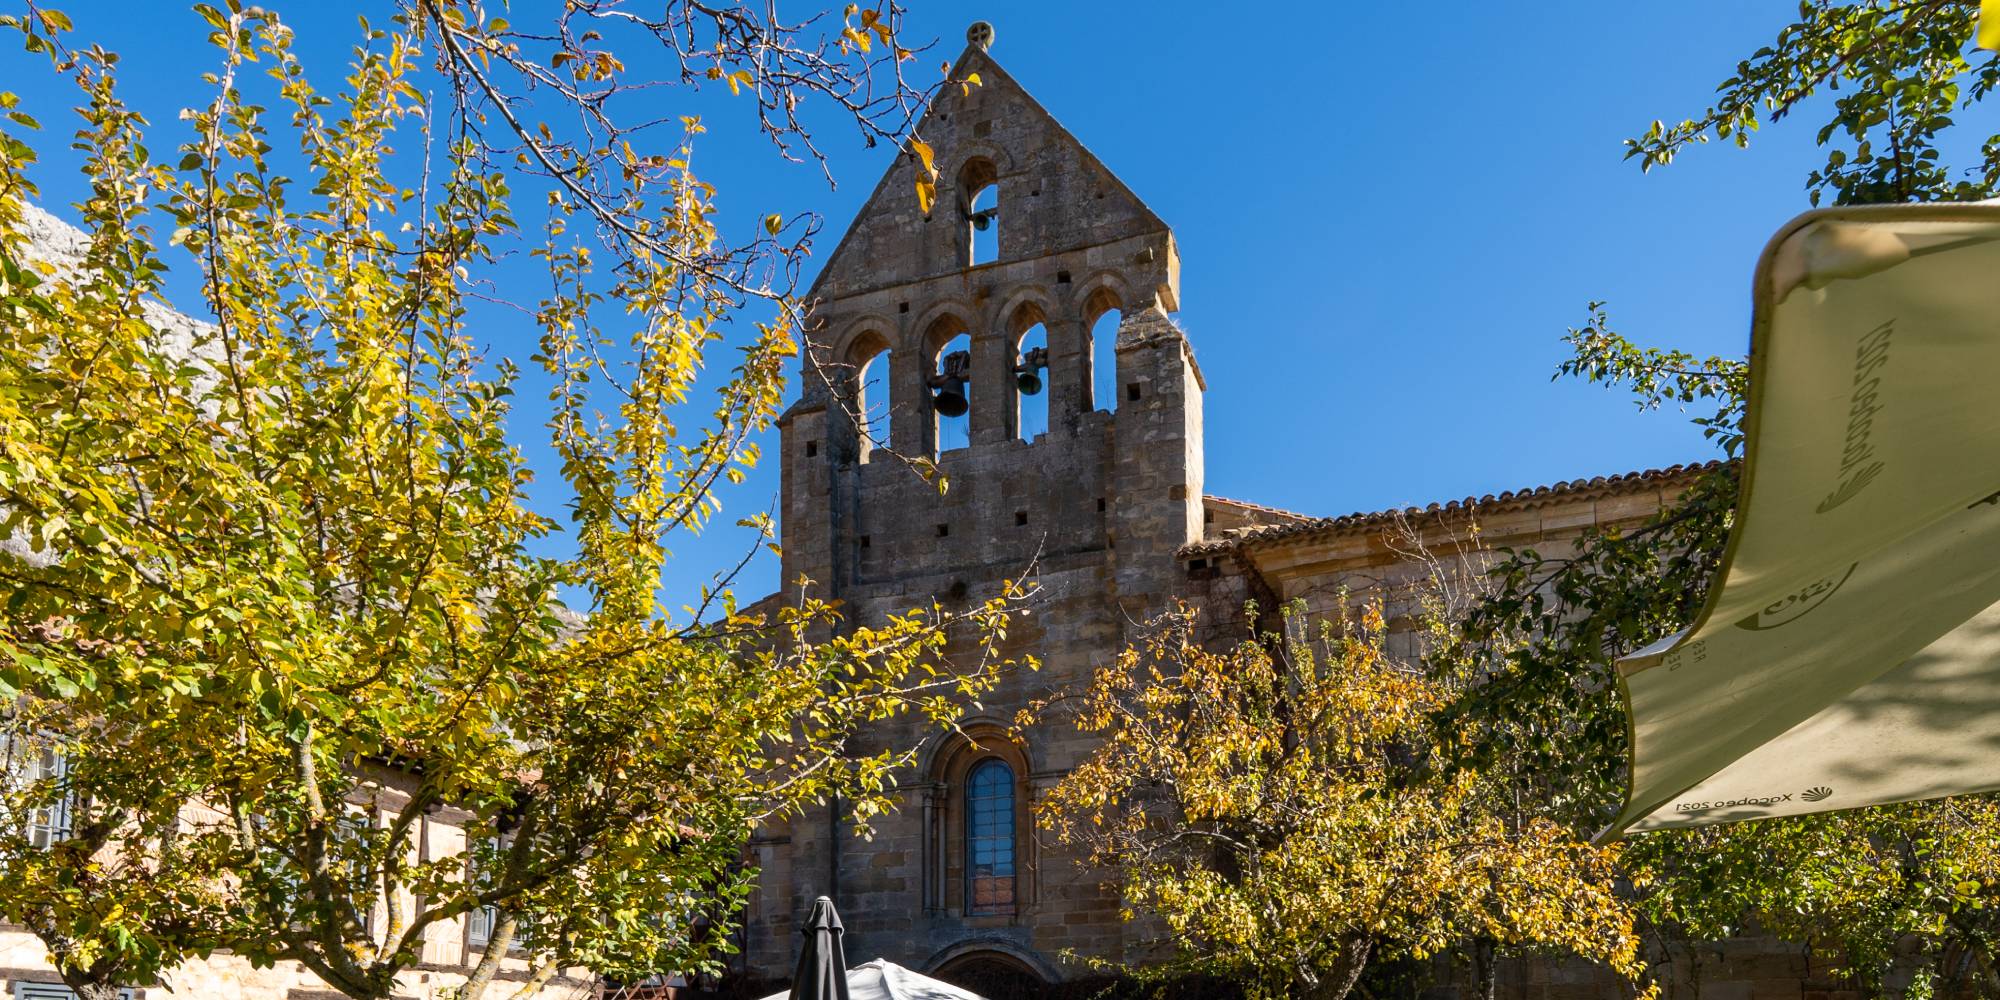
(1816, 793)
(1798, 603)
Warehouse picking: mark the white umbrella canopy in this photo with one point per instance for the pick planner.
(882, 979)
(1849, 651)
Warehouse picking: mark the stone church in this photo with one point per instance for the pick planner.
(1054, 276)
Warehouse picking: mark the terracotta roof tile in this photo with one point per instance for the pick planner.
(1523, 499)
(1260, 508)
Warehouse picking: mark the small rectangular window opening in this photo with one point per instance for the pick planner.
(1100, 505)
(902, 307)
(943, 530)
(1062, 277)
(864, 541)
(812, 448)
(1020, 518)
(1132, 392)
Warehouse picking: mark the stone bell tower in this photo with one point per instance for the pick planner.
(1093, 508)
(1118, 479)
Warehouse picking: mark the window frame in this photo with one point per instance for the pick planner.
(23, 990)
(44, 826)
(1004, 804)
(489, 916)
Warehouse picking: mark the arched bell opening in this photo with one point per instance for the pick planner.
(948, 380)
(868, 397)
(1029, 387)
(980, 184)
(1102, 313)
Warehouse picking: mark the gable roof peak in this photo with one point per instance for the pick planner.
(983, 128)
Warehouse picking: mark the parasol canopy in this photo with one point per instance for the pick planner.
(882, 979)
(821, 973)
(1849, 651)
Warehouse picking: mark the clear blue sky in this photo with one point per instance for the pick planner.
(1386, 218)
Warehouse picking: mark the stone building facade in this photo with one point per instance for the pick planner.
(1103, 508)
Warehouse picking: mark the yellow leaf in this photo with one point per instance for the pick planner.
(1987, 35)
(773, 223)
(925, 156)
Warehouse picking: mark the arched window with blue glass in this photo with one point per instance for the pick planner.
(989, 837)
(977, 859)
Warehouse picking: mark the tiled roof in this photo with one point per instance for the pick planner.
(1525, 499)
(1258, 507)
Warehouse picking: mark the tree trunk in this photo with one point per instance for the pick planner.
(86, 989)
(497, 942)
(1339, 979)
(536, 980)
(1484, 969)
(98, 981)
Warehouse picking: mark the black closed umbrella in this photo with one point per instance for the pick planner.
(822, 969)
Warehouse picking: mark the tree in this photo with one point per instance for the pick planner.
(272, 585)
(1279, 807)
(1859, 884)
(1907, 69)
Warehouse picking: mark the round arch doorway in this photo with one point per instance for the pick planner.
(994, 975)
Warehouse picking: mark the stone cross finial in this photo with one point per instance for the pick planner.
(980, 34)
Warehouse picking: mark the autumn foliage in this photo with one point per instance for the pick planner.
(1280, 806)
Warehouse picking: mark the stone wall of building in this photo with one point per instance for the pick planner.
(1105, 514)
(1092, 511)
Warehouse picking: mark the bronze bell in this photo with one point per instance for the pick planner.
(1028, 370)
(950, 399)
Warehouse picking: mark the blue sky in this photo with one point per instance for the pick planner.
(1386, 220)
